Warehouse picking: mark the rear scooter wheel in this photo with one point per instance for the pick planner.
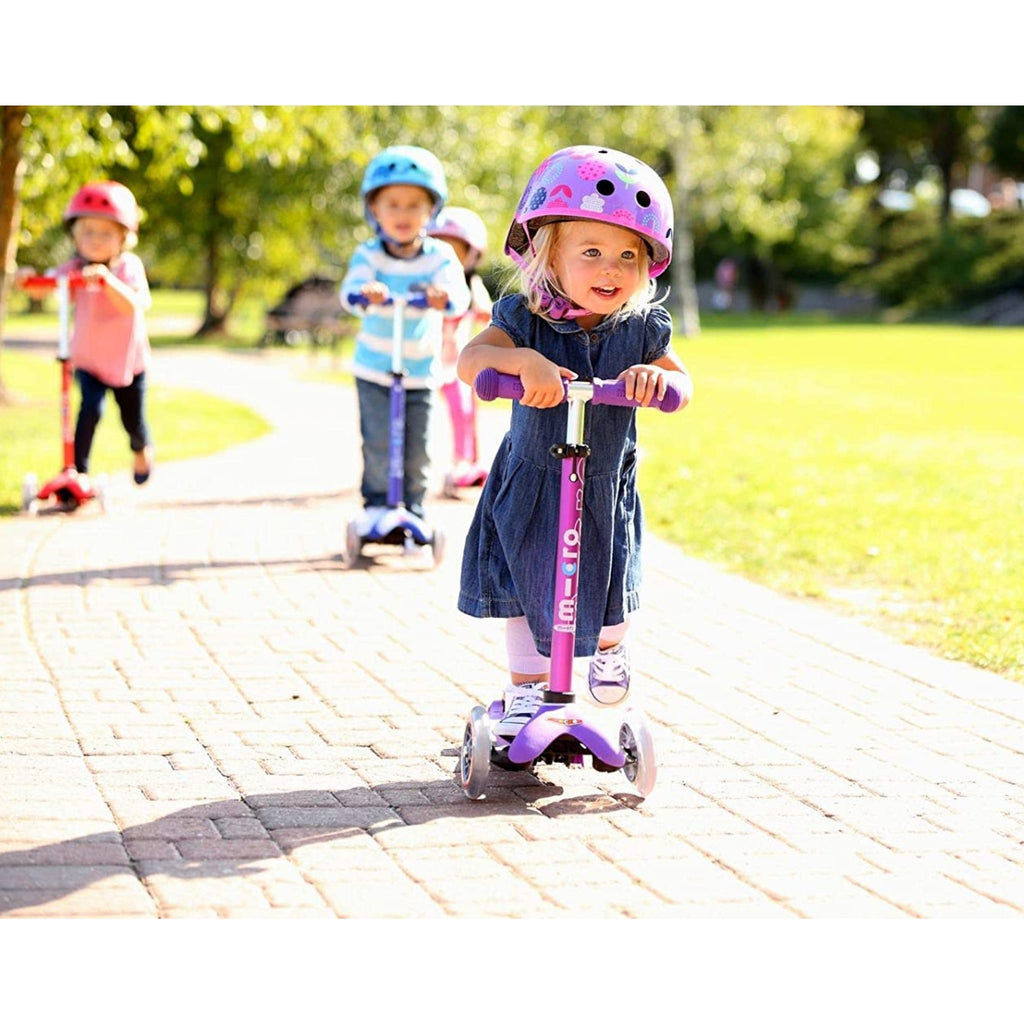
(437, 545)
(353, 543)
(638, 745)
(475, 757)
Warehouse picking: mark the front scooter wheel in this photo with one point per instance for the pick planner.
(29, 490)
(475, 756)
(101, 493)
(638, 745)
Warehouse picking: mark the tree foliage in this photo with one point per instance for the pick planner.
(247, 200)
(1006, 139)
(776, 183)
(917, 141)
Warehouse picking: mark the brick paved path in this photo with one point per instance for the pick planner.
(203, 714)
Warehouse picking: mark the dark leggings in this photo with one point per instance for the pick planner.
(130, 400)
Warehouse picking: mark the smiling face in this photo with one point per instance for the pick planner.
(97, 239)
(597, 266)
(402, 211)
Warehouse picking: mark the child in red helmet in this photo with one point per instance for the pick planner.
(109, 342)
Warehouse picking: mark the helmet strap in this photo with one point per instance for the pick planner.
(558, 307)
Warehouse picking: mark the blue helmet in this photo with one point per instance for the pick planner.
(404, 165)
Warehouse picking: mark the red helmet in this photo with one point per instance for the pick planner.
(108, 199)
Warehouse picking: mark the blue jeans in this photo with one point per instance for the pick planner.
(375, 424)
(130, 400)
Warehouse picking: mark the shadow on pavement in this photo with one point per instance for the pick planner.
(161, 575)
(233, 837)
(293, 500)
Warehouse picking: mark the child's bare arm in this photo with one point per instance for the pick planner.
(493, 349)
(124, 293)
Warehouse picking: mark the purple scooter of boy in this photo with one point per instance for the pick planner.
(562, 730)
(395, 524)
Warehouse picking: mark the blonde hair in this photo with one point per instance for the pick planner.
(538, 281)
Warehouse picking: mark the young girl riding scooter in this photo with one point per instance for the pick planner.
(592, 232)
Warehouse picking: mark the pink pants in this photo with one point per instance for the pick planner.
(462, 407)
(524, 658)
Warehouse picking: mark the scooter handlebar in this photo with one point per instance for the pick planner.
(48, 282)
(416, 299)
(490, 384)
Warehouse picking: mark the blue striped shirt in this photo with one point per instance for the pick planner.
(436, 264)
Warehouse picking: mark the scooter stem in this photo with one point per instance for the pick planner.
(67, 435)
(396, 446)
(63, 317)
(573, 454)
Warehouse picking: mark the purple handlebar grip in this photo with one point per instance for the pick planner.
(490, 384)
(613, 392)
(418, 299)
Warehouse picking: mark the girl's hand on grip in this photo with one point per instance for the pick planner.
(542, 382)
(644, 383)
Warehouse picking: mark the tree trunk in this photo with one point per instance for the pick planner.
(684, 286)
(217, 308)
(12, 169)
(947, 141)
(213, 320)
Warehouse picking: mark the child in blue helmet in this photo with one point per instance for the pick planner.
(403, 188)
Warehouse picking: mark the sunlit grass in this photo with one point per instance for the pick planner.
(877, 466)
(183, 423)
(173, 319)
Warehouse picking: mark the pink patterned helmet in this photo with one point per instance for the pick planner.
(107, 199)
(593, 183)
(458, 222)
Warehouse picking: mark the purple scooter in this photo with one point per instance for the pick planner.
(562, 730)
(394, 523)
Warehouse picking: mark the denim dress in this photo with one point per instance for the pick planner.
(508, 562)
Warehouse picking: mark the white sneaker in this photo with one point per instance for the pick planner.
(609, 675)
(368, 517)
(521, 703)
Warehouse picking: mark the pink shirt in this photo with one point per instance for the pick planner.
(108, 340)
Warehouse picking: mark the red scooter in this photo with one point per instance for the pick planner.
(69, 488)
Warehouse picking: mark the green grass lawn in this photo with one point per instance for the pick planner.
(182, 309)
(183, 423)
(880, 467)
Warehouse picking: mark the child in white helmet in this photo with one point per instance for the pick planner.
(403, 188)
(466, 233)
